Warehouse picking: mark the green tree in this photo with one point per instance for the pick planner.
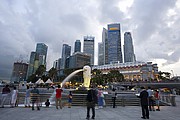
(97, 77)
(52, 73)
(40, 71)
(115, 76)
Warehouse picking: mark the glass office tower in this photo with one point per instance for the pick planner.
(114, 44)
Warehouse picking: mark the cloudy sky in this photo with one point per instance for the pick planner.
(155, 27)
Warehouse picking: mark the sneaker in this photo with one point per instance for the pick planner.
(87, 118)
(92, 118)
(157, 109)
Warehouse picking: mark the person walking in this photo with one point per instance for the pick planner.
(58, 97)
(150, 99)
(5, 93)
(27, 97)
(157, 98)
(144, 103)
(35, 98)
(91, 101)
(14, 97)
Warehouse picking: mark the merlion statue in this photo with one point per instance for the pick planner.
(87, 75)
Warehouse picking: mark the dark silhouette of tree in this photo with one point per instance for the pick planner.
(52, 73)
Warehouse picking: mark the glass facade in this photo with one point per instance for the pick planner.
(89, 47)
(129, 55)
(41, 49)
(77, 46)
(66, 52)
(114, 43)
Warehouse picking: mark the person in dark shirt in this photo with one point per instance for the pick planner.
(91, 101)
(5, 92)
(47, 103)
(144, 103)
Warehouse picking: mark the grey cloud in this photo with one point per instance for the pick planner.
(109, 12)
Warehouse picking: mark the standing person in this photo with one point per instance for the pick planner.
(157, 98)
(150, 99)
(35, 98)
(14, 97)
(58, 97)
(91, 101)
(114, 97)
(100, 98)
(69, 99)
(144, 103)
(27, 97)
(5, 92)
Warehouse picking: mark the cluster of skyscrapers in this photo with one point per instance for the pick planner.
(110, 49)
(109, 52)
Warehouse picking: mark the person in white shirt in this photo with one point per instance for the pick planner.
(150, 99)
(14, 97)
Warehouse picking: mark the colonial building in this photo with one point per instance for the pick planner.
(132, 71)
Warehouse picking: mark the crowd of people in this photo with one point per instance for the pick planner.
(95, 99)
(149, 99)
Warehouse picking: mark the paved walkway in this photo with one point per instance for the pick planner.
(79, 113)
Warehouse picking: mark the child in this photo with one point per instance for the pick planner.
(69, 99)
(157, 98)
(47, 103)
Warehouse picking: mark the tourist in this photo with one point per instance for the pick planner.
(150, 99)
(27, 97)
(100, 98)
(35, 98)
(5, 94)
(91, 101)
(14, 95)
(157, 98)
(144, 103)
(69, 99)
(114, 95)
(47, 103)
(58, 97)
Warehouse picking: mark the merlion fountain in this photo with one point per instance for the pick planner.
(86, 76)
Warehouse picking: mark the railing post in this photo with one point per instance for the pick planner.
(172, 99)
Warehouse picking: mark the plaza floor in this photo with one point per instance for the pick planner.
(79, 113)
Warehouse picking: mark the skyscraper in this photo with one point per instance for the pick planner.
(105, 46)
(41, 50)
(114, 43)
(79, 60)
(129, 55)
(100, 54)
(37, 58)
(89, 47)
(77, 46)
(19, 71)
(66, 52)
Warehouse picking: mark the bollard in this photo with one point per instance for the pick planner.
(173, 101)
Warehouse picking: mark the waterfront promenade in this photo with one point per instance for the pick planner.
(79, 113)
